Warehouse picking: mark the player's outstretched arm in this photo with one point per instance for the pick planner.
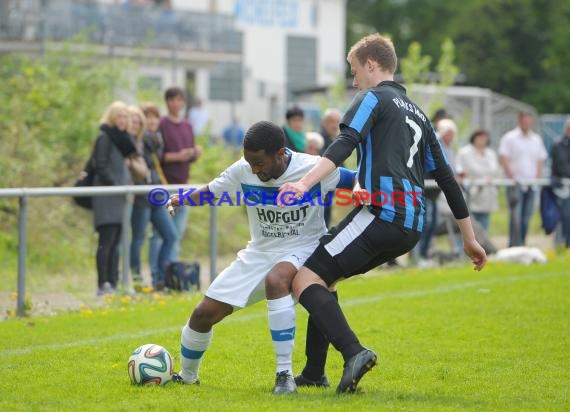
(323, 168)
(191, 197)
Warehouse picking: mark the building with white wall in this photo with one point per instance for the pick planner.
(287, 45)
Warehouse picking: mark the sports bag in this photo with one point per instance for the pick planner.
(549, 212)
(181, 275)
(85, 179)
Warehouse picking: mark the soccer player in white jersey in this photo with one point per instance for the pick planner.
(281, 240)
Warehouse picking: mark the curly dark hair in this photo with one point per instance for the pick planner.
(266, 136)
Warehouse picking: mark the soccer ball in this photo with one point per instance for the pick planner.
(150, 364)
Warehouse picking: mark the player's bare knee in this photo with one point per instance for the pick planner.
(205, 315)
(278, 283)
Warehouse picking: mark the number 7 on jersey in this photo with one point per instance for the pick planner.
(417, 136)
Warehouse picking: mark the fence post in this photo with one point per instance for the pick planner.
(125, 243)
(22, 253)
(213, 242)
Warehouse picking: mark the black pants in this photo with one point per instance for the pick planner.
(358, 244)
(108, 254)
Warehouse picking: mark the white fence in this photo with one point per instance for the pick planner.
(24, 194)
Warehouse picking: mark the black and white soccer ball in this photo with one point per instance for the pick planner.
(150, 364)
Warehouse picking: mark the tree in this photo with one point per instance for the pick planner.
(514, 47)
(416, 69)
(406, 21)
(53, 106)
(551, 92)
(500, 45)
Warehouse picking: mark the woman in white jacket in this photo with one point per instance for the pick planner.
(477, 161)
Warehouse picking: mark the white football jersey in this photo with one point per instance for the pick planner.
(275, 228)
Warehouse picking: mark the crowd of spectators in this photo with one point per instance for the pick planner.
(136, 145)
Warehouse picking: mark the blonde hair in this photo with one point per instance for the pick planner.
(377, 48)
(446, 125)
(110, 115)
(316, 138)
(135, 111)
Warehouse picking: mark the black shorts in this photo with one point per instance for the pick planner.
(358, 244)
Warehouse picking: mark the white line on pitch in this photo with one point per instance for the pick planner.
(344, 303)
(448, 288)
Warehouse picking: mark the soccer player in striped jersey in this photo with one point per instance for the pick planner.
(396, 146)
(281, 240)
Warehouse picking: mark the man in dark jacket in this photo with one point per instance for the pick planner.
(561, 169)
(330, 123)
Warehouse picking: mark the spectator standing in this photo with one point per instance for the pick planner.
(330, 126)
(294, 135)
(447, 132)
(114, 151)
(561, 169)
(137, 124)
(430, 196)
(315, 143)
(522, 155)
(198, 117)
(180, 150)
(233, 134)
(143, 212)
(478, 161)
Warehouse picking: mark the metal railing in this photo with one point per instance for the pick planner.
(24, 194)
(119, 25)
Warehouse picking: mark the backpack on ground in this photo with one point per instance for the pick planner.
(549, 211)
(181, 276)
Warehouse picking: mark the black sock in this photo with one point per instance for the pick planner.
(316, 348)
(330, 320)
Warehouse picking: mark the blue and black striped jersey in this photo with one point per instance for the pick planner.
(396, 146)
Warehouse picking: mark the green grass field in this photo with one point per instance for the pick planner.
(447, 339)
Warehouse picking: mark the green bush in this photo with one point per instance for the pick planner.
(53, 107)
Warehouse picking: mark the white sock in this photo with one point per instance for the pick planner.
(193, 346)
(281, 316)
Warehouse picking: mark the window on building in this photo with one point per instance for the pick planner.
(301, 63)
(226, 82)
(261, 89)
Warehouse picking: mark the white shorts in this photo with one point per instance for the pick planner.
(243, 282)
